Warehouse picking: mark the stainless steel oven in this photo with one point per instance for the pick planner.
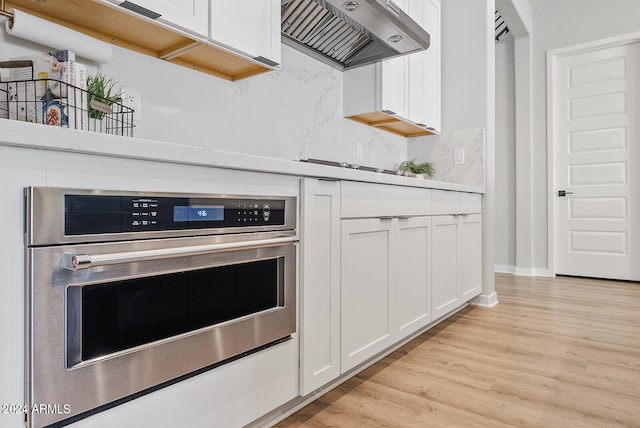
(129, 292)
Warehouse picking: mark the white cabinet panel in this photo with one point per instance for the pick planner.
(395, 92)
(444, 264)
(449, 202)
(190, 15)
(456, 262)
(431, 94)
(412, 282)
(445, 202)
(470, 256)
(415, 68)
(378, 200)
(366, 290)
(249, 26)
(470, 203)
(320, 284)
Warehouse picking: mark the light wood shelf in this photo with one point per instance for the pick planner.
(140, 34)
(391, 124)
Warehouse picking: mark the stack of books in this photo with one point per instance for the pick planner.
(48, 88)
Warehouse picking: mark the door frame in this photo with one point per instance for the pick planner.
(552, 62)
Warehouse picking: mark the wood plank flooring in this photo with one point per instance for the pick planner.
(562, 352)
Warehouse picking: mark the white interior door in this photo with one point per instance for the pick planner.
(595, 123)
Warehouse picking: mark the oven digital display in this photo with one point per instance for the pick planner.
(198, 213)
(95, 214)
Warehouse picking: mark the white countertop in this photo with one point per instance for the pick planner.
(28, 135)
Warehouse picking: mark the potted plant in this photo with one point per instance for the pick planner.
(417, 169)
(102, 93)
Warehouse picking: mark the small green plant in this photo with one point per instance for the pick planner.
(418, 168)
(103, 92)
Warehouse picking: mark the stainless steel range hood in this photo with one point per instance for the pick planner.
(347, 34)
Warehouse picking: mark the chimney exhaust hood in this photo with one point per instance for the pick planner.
(348, 34)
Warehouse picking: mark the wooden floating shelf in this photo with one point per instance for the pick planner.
(391, 124)
(141, 34)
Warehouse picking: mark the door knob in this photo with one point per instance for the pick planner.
(563, 193)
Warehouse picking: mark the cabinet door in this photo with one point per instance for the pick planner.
(251, 27)
(320, 284)
(415, 68)
(470, 256)
(394, 80)
(444, 250)
(412, 285)
(190, 15)
(365, 289)
(431, 66)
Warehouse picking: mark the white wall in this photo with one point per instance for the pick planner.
(505, 155)
(292, 113)
(464, 86)
(464, 59)
(558, 24)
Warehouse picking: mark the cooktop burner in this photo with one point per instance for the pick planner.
(351, 166)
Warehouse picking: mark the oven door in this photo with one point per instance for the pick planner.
(110, 321)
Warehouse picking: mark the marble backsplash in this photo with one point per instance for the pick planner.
(291, 113)
(440, 150)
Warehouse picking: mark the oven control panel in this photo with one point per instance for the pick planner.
(92, 214)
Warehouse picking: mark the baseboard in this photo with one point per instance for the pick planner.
(519, 271)
(532, 272)
(505, 269)
(486, 300)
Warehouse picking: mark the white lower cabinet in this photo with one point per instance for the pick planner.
(376, 267)
(320, 279)
(456, 260)
(386, 280)
(470, 256)
(412, 288)
(366, 289)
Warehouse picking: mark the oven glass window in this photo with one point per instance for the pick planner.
(124, 314)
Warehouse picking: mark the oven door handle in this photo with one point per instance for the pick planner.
(75, 261)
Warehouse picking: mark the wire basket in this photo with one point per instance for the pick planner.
(56, 103)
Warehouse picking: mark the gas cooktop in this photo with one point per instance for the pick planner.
(351, 166)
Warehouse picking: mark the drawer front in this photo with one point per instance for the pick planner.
(445, 202)
(470, 203)
(378, 200)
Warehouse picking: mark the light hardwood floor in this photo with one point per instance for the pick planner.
(561, 352)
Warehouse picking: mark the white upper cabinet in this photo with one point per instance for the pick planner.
(400, 95)
(431, 98)
(228, 39)
(189, 15)
(394, 81)
(251, 27)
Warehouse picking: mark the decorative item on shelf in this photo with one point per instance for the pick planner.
(57, 103)
(412, 169)
(102, 95)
